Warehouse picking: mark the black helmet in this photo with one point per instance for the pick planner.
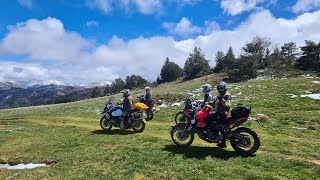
(222, 87)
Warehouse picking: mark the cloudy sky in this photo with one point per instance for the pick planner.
(80, 42)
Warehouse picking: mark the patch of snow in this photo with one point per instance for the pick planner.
(292, 95)
(156, 109)
(298, 128)
(21, 166)
(196, 91)
(307, 76)
(9, 96)
(176, 104)
(308, 92)
(313, 96)
(316, 162)
(317, 82)
(162, 106)
(238, 93)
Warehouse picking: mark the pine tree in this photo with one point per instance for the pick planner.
(219, 62)
(170, 71)
(290, 52)
(107, 90)
(257, 50)
(310, 59)
(96, 92)
(196, 65)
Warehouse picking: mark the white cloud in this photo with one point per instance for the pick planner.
(21, 72)
(74, 59)
(306, 5)
(26, 3)
(184, 28)
(92, 23)
(44, 40)
(211, 26)
(143, 6)
(235, 7)
(146, 7)
(104, 5)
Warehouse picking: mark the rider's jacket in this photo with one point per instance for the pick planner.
(208, 97)
(127, 105)
(223, 103)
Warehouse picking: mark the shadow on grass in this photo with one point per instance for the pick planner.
(114, 132)
(199, 152)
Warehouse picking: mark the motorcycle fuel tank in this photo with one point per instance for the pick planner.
(117, 112)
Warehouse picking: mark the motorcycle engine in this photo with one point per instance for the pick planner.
(136, 115)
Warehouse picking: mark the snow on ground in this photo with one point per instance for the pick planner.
(163, 105)
(21, 166)
(307, 76)
(292, 95)
(299, 128)
(176, 104)
(317, 82)
(313, 96)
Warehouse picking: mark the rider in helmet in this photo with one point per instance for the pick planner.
(148, 97)
(208, 97)
(127, 106)
(221, 109)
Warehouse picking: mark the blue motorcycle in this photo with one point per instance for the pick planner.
(113, 117)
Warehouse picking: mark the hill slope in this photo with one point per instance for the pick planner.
(69, 134)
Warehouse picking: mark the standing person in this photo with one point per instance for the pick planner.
(149, 102)
(221, 109)
(127, 107)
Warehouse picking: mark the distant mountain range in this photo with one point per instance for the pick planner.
(16, 95)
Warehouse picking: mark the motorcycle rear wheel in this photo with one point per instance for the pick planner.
(245, 141)
(179, 137)
(105, 123)
(149, 114)
(180, 117)
(138, 126)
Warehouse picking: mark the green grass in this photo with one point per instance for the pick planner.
(69, 134)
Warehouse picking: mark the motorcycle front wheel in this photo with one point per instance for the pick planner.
(180, 117)
(105, 123)
(245, 141)
(180, 137)
(138, 125)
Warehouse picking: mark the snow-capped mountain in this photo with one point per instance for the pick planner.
(53, 82)
(10, 85)
(99, 84)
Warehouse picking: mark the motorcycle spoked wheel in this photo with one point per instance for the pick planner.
(149, 114)
(245, 141)
(105, 123)
(179, 137)
(180, 117)
(138, 125)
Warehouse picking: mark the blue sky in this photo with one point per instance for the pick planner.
(101, 40)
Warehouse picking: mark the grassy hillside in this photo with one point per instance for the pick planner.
(69, 135)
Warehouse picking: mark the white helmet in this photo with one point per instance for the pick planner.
(126, 92)
(206, 88)
(147, 88)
